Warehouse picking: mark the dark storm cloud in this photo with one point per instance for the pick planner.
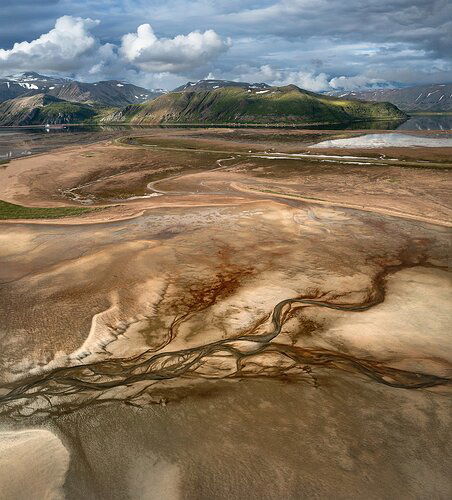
(311, 41)
(425, 25)
(22, 20)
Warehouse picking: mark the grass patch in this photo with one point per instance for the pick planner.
(12, 211)
(72, 111)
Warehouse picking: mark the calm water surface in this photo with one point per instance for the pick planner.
(23, 141)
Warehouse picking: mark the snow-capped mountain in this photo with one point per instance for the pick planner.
(434, 97)
(106, 93)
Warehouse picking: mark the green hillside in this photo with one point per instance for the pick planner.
(278, 105)
(41, 109)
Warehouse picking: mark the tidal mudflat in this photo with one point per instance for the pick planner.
(241, 315)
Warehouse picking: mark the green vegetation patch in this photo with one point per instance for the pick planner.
(278, 105)
(55, 111)
(12, 211)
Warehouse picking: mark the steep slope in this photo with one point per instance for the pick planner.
(28, 83)
(41, 109)
(276, 105)
(105, 93)
(10, 89)
(437, 97)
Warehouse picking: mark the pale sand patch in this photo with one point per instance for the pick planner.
(385, 141)
(33, 465)
(15, 243)
(409, 330)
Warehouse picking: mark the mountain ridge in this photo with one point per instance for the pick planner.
(105, 93)
(433, 97)
(212, 84)
(274, 105)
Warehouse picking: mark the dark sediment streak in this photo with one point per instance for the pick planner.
(65, 389)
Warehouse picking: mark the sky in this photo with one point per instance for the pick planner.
(318, 45)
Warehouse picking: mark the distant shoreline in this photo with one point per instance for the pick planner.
(203, 125)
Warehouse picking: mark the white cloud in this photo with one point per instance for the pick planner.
(406, 41)
(355, 82)
(61, 49)
(71, 48)
(183, 52)
(307, 80)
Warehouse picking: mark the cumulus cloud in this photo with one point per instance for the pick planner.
(70, 47)
(180, 53)
(313, 41)
(355, 82)
(61, 49)
(307, 79)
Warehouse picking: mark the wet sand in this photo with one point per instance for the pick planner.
(269, 439)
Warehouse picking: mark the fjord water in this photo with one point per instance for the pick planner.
(23, 141)
(16, 142)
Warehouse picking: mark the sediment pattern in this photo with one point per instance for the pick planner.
(133, 380)
(136, 169)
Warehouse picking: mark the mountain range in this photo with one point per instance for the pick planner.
(104, 93)
(434, 98)
(31, 98)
